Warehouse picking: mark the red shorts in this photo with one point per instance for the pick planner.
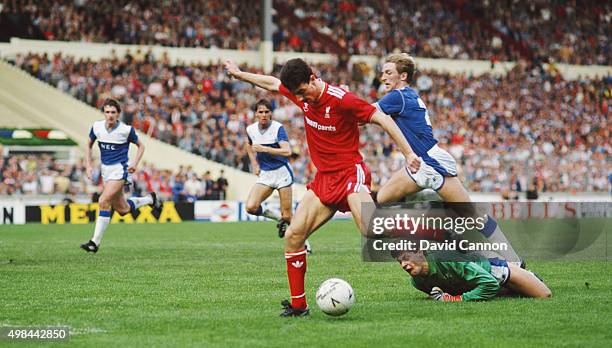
(333, 188)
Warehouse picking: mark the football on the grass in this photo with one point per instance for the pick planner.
(335, 297)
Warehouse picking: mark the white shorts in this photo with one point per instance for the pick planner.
(276, 178)
(500, 270)
(434, 167)
(117, 171)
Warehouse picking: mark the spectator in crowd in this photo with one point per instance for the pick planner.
(193, 188)
(222, 185)
(178, 189)
(209, 185)
(532, 190)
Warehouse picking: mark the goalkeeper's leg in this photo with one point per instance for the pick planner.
(525, 283)
(453, 191)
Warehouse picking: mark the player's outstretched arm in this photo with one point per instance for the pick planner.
(267, 82)
(412, 160)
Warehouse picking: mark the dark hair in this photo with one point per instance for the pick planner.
(398, 254)
(294, 73)
(112, 103)
(262, 102)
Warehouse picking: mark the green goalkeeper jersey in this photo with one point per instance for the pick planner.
(466, 275)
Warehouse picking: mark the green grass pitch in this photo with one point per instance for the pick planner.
(205, 284)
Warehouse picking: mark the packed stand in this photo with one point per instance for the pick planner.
(567, 31)
(424, 29)
(178, 23)
(573, 32)
(528, 129)
(368, 27)
(42, 174)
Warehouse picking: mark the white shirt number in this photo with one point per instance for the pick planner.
(422, 104)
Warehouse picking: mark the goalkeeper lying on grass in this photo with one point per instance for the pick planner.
(454, 276)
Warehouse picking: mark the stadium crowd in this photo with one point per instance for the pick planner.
(566, 31)
(528, 128)
(574, 32)
(42, 174)
(425, 29)
(182, 23)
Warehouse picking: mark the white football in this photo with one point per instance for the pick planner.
(335, 297)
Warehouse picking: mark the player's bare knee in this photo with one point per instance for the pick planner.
(252, 208)
(294, 238)
(104, 203)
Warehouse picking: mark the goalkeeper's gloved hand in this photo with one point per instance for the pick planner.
(439, 295)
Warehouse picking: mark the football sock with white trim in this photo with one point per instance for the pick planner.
(101, 225)
(267, 213)
(493, 233)
(141, 201)
(271, 214)
(296, 272)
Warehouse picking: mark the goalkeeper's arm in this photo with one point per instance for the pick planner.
(485, 286)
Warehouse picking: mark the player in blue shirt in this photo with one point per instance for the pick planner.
(114, 138)
(438, 170)
(269, 152)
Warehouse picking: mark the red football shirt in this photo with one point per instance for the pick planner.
(331, 125)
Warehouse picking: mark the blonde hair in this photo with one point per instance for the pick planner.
(404, 63)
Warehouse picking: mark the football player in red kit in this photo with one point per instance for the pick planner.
(331, 119)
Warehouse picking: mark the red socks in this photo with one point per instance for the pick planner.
(296, 270)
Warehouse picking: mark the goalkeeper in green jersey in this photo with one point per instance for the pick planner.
(454, 276)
